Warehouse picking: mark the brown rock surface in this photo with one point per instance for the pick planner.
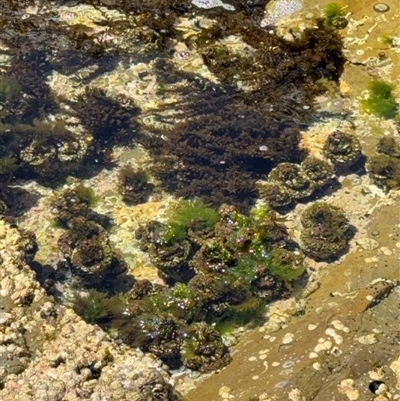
(357, 303)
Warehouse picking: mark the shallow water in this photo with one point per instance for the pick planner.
(104, 89)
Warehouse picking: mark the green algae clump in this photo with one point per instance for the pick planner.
(285, 265)
(187, 211)
(381, 101)
(96, 307)
(87, 195)
(387, 40)
(334, 16)
(191, 218)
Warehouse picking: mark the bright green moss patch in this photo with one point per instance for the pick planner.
(381, 101)
(283, 264)
(174, 232)
(187, 211)
(189, 214)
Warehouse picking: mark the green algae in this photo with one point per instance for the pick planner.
(251, 312)
(188, 214)
(87, 195)
(334, 13)
(387, 40)
(381, 101)
(174, 232)
(187, 211)
(97, 306)
(285, 265)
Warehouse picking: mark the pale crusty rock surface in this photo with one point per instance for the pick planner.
(48, 353)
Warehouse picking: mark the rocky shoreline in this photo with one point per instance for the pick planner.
(335, 338)
(50, 353)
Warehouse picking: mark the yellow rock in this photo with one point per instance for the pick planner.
(344, 87)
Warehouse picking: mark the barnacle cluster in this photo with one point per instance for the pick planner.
(326, 231)
(384, 167)
(290, 181)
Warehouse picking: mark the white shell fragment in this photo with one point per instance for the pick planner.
(330, 332)
(338, 339)
(316, 366)
(287, 338)
(347, 388)
(338, 325)
(325, 346)
(295, 395)
(368, 244)
(368, 339)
